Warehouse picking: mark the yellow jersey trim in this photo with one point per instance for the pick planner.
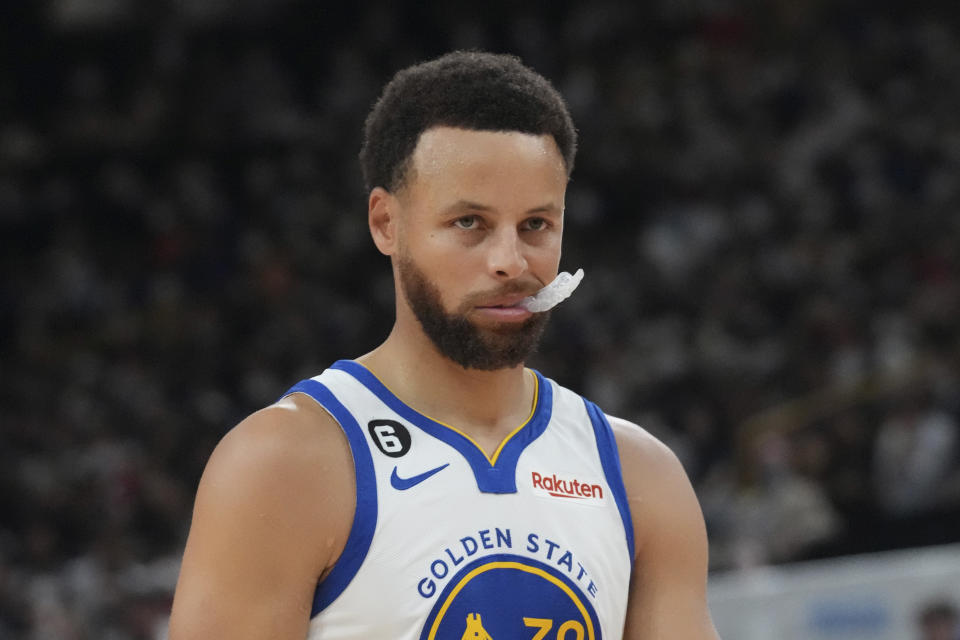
(496, 454)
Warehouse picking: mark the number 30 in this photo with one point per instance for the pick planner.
(544, 625)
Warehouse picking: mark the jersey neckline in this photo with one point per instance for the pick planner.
(494, 474)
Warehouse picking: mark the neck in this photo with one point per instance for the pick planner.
(487, 405)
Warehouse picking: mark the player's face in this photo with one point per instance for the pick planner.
(481, 228)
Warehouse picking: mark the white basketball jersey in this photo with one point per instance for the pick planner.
(533, 542)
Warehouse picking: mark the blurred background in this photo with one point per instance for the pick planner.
(765, 202)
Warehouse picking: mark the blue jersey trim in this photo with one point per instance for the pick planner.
(610, 460)
(499, 477)
(365, 513)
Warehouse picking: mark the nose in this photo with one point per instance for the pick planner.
(506, 258)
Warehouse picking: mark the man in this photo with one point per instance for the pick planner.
(938, 620)
(434, 487)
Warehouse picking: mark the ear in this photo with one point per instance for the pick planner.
(382, 210)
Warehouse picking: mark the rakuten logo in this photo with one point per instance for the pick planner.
(558, 487)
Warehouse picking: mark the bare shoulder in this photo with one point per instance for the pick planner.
(279, 486)
(290, 460)
(272, 514)
(292, 436)
(668, 586)
(659, 492)
(640, 451)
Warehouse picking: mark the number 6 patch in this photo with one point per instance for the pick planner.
(391, 437)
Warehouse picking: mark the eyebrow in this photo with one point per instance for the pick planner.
(467, 205)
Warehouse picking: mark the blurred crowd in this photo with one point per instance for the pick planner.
(765, 203)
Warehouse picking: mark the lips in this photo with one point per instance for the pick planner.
(503, 302)
(503, 309)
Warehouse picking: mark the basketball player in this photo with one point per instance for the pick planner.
(435, 487)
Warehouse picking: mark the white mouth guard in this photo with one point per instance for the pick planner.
(552, 294)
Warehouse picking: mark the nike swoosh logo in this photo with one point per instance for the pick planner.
(402, 484)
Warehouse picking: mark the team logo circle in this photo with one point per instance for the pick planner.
(505, 597)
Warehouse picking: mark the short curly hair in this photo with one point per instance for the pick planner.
(464, 89)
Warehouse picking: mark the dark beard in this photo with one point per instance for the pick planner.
(472, 347)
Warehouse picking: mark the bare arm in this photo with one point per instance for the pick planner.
(272, 514)
(668, 588)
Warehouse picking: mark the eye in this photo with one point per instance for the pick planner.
(536, 224)
(466, 222)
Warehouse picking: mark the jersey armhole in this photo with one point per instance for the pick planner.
(365, 513)
(610, 461)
